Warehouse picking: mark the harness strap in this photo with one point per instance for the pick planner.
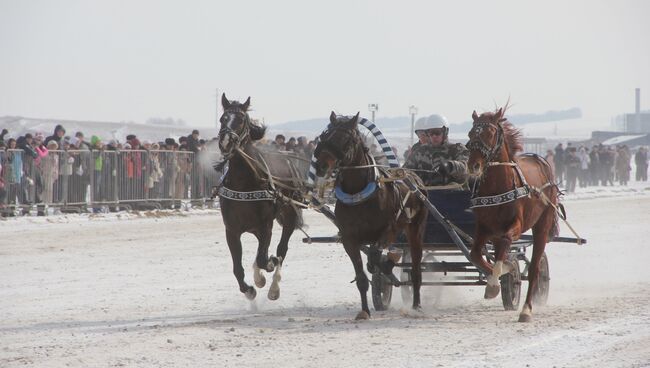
(257, 195)
(499, 199)
(402, 206)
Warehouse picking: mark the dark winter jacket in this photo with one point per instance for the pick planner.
(55, 137)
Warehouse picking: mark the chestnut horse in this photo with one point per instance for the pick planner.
(253, 193)
(513, 194)
(367, 210)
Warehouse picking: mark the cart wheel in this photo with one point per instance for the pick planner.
(382, 291)
(407, 290)
(405, 276)
(511, 285)
(540, 297)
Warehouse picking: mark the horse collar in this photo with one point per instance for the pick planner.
(362, 196)
(356, 198)
(253, 196)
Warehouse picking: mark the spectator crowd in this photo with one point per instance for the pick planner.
(71, 169)
(600, 165)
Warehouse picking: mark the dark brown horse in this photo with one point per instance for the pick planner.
(368, 211)
(514, 194)
(251, 197)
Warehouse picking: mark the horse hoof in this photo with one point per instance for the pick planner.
(412, 312)
(251, 293)
(491, 291)
(260, 280)
(270, 265)
(274, 294)
(525, 318)
(363, 315)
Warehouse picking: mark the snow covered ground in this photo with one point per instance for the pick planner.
(156, 290)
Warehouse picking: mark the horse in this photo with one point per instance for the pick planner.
(513, 193)
(254, 191)
(367, 210)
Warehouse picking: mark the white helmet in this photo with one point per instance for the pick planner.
(431, 122)
(434, 121)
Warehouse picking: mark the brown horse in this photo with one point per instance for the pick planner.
(514, 194)
(368, 211)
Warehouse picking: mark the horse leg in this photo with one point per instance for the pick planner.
(281, 251)
(354, 252)
(414, 238)
(262, 258)
(476, 253)
(501, 267)
(234, 243)
(540, 237)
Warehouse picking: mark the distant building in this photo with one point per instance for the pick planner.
(633, 123)
(639, 122)
(615, 138)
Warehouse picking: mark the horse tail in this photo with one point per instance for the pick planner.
(300, 221)
(558, 209)
(285, 211)
(555, 227)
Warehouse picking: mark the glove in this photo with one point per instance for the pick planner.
(444, 168)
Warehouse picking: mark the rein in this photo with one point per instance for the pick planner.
(260, 170)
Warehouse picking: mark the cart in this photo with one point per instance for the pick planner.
(446, 253)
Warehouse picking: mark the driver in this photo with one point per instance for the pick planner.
(436, 162)
(433, 158)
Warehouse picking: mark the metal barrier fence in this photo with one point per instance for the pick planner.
(104, 180)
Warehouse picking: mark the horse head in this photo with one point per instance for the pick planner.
(236, 130)
(485, 140)
(338, 144)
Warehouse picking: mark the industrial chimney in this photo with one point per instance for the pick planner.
(637, 109)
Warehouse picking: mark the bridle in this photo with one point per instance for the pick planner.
(350, 142)
(236, 138)
(476, 143)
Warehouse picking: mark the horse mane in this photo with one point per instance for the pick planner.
(342, 121)
(512, 137)
(257, 132)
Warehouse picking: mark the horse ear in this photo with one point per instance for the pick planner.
(333, 117)
(224, 102)
(474, 116)
(355, 119)
(247, 103)
(499, 114)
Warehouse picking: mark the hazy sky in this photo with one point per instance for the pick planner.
(131, 60)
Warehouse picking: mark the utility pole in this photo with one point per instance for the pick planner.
(217, 110)
(413, 110)
(373, 108)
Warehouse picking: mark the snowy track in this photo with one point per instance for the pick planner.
(159, 291)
